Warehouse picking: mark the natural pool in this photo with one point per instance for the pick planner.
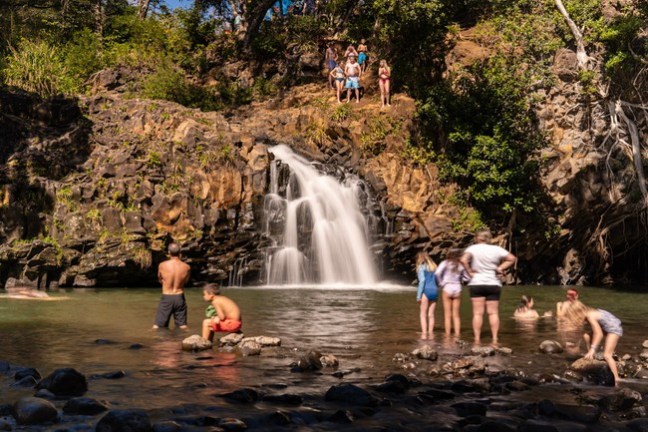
(363, 328)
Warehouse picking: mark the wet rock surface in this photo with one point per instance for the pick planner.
(475, 390)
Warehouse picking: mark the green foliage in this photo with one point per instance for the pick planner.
(341, 113)
(38, 67)
(84, 54)
(169, 83)
(413, 33)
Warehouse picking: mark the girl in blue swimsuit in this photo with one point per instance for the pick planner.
(427, 293)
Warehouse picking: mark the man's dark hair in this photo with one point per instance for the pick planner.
(174, 249)
(212, 288)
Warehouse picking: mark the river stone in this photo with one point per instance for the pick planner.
(27, 372)
(638, 425)
(595, 371)
(308, 362)
(65, 382)
(230, 339)
(329, 360)
(24, 382)
(84, 406)
(196, 343)
(131, 420)
(32, 410)
(466, 409)
(484, 351)
(550, 347)
(249, 348)
(284, 399)
(645, 344)
(622, 399)
(45, 394)
(426, 352)
(644, 355)
(350, 394)
(166, 426)
(245, 396)
(341, 416)
(232, 424)
(504, 351)
(266, 341)
(5, 425)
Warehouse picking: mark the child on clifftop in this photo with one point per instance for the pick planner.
(223, 315)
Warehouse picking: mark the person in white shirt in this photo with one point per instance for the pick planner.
(485, 263)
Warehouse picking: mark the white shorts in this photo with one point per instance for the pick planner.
(453, 290)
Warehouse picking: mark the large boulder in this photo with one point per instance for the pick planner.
(32, 410)
(65, 382)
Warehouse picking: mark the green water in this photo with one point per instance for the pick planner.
(363, 328)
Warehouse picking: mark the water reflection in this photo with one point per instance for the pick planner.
(363, 328)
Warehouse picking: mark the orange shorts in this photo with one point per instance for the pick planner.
(227, 326)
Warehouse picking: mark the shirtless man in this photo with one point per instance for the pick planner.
(173, 274)
(227, 317)
(353, 73)
(331, 56)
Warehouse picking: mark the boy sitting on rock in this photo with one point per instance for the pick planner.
(223, 314)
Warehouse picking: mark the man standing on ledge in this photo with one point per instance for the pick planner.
(485, 264)
(173, 274)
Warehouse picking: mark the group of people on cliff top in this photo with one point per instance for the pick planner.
(482, 266)
(346, 74)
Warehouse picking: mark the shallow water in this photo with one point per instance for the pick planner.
(363, 328)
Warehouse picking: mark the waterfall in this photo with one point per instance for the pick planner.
(316, 223)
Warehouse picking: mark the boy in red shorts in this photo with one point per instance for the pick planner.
(227, 316)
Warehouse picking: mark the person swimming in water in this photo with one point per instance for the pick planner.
(525, 309)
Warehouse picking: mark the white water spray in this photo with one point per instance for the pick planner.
(318, 228)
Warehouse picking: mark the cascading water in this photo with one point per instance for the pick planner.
(319, 232)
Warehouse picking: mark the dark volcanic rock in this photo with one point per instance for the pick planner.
(25, 382)
(27, 372)
(284, 399)
(594, 371)
(84, 406)
(308, 362)
(232, 424)
(621, 400)
(65, 382)
(245, 395)
(465, 409)
(131, 420)
(350, 394)
(31, 410)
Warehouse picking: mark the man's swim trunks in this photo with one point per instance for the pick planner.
(227, 326)
(352, 83)
(171, 304)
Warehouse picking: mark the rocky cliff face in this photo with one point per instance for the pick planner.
(117, 179)
(93, 190)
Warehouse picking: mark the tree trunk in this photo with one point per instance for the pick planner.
(142, 8)
(99, 15)
(254, 19)
(581, 54)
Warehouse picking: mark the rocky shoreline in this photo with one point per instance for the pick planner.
(472, 389)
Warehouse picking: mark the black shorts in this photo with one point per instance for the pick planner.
(171, 304)
(491, 292)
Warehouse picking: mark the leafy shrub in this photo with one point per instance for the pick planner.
(38, 67)
(83, 55)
